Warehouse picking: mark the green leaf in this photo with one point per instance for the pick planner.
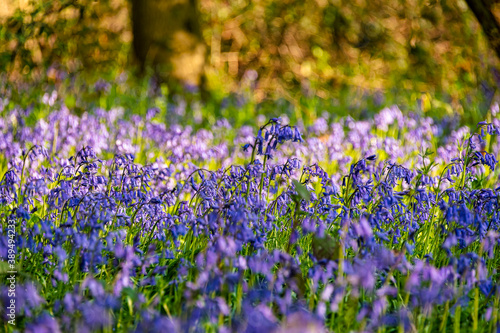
(477, 184)
(302, 191)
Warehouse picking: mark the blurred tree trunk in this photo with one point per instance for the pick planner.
(167, 36)
(483, 10)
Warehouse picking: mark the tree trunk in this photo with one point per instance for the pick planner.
(167, 36)
(482, 9)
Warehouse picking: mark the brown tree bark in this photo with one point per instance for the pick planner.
(482, 9)
(167, 36)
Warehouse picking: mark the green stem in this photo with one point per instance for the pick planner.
(294, 225)
(456, 326)
(475, 309)
(262, 176)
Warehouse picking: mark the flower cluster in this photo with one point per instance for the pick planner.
(131, 225)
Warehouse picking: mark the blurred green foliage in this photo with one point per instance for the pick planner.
(319, 55)
(417, 45)
(71, 35)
